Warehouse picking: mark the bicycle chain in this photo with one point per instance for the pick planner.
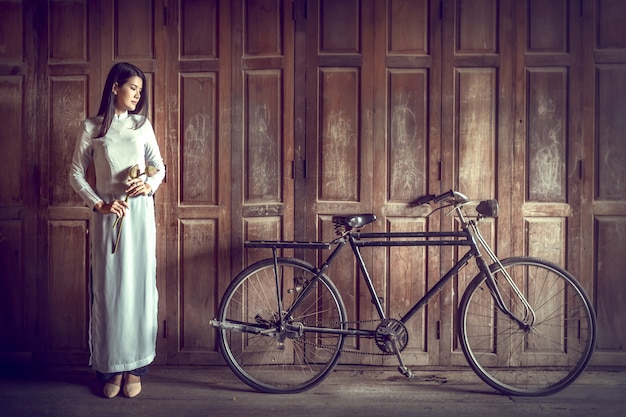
(345, 350)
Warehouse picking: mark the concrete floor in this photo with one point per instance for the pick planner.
(348, 391)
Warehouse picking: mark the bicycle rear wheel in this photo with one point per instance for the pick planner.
(273, 357)
(544, 356)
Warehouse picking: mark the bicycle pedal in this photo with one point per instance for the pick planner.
(405, 371)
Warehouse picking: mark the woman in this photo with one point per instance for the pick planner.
(123, 291)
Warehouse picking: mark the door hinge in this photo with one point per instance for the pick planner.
(294, 169)
(580, 170)
(438, 329)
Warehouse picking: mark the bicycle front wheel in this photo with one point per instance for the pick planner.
(272, 346)
(546, 353)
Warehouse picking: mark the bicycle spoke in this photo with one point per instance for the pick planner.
(287, 359)
(542, 359)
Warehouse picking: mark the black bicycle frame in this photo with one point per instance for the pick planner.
(355, 241)
(463, 238)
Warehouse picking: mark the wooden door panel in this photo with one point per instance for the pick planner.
(407, 281)
(476, 140)
(337, 141)
(133, 30)
(18, 184)
(408, 136)
(71, 89)
(85, 39)
(339, 168)
(200, 265)
(263, 143)
(199, 139)
(611, 125)
(611, 288)
(198, 148)
(476, 26)
(263, 137)
(370, 147)
(476, 90)
(547, 134)
(68, 309)
(609, 199)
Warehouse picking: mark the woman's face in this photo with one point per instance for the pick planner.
(127, 95)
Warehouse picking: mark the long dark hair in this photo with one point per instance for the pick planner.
(120, 73)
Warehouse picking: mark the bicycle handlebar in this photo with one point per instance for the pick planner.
(457, 197)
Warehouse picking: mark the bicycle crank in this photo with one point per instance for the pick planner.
(392, 337)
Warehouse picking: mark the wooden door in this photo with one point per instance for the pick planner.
(602, 169)
(372, 145)
(478, 113)
(19, 182)
(199, 145)
(85, 39)
(231, 149)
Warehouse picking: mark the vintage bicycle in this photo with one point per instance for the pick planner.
(526, 326)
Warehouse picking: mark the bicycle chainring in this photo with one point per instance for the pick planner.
(389, 330)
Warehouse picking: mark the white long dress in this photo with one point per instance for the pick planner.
(123, 320)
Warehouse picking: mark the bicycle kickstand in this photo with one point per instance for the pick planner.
(402, 368)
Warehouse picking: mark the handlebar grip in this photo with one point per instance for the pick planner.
(425, 199)
(443, 196)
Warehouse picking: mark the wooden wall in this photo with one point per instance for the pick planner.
(273, 115)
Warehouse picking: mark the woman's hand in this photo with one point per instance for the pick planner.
(137, 187)
(117, 207)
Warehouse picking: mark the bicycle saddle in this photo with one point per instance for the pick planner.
(354, 221)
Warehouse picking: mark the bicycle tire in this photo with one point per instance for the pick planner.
(539, 360)
(279, 360)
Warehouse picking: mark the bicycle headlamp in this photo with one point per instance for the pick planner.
(488, 208)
